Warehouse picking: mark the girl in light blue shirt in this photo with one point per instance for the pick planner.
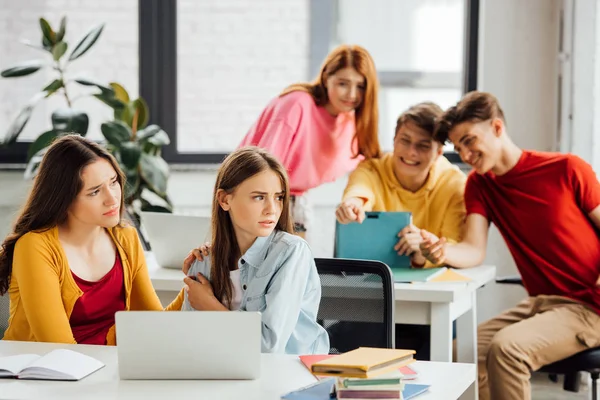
(255, 262)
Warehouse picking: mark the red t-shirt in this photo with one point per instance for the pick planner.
(541, 208)
(94, 312)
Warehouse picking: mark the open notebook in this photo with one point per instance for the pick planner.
(57, 365)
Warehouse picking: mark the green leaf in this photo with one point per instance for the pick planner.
(125, 114)
(42, 141)
(146, 133)
(53, 87)
(106, 90)
(86, 43)
(59, 50)
(62, 30)
(155, 173)
(34, 163)
(47, 45)
(47, 33)
(110, 100)
(160, 139)
(17, 126)
(116, 133)
(120, 92)
(69, 120)
(141, 108)
(132, 183)
(153, 202)
(22, 70)
(130, 154)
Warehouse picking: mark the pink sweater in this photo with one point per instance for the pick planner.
(312, 145)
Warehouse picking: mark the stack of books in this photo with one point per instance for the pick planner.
(364, 373)
(364, 362)
(386, 386)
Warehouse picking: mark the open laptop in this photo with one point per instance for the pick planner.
(188, 345)
(172, 236)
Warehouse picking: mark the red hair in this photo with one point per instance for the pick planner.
(366, 114)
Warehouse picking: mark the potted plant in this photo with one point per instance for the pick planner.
(136, 145)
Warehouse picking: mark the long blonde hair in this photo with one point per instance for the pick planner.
(367, 113)
(240, 165)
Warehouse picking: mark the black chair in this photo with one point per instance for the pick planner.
(571, 367)
(357, 303)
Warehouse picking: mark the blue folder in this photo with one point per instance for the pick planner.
(322, 391)
(374, 239)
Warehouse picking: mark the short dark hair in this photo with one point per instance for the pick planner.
(473, 107)
(423, 115)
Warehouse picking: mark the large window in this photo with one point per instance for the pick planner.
(418, 47)
(113, 58)
(207, 68)
(233, 57)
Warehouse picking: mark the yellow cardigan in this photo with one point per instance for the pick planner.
(43, 292)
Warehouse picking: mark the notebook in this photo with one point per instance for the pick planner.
(57, 365)
(442, 274)
(308, 360)
(322, 390)
(363, 362)
(374, 239)
(412, 390)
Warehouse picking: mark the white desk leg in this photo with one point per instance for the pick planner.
(441, 332)
(466, 338)
(466, 334)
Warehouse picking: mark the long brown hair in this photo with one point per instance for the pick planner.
(240, 165)
(367, 113)
(57, 184)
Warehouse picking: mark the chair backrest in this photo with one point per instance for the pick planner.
(357, 303)
(4, 314)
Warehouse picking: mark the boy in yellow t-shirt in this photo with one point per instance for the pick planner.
(415, 177)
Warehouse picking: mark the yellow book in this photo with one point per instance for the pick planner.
(363, 362)
(449, 275)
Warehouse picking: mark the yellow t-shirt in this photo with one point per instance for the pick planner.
(438, 206)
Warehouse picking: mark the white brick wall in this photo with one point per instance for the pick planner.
(234, 56)
(114, 57)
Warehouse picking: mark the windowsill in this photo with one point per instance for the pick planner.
(175, 167)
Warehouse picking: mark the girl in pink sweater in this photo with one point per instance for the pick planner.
(321, 130)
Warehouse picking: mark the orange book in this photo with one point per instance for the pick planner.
(363, 362)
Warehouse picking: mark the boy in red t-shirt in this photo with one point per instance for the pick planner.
(547, 208)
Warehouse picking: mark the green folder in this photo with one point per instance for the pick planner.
(374, 239)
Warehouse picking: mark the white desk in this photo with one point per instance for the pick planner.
(280, 374)
(438, 304)
(434, 304)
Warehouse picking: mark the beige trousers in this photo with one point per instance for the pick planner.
(538, 331)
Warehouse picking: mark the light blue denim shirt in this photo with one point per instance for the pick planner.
(279, 278)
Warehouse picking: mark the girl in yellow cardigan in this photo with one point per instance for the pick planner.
(70, 263)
